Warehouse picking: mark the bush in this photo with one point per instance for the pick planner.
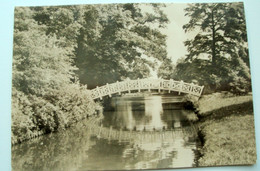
(240, 86)
(33, 115)
(23, 126)
(190, 102)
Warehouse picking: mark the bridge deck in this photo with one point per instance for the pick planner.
(146, 84)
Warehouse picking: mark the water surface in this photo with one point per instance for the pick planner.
(79, 148)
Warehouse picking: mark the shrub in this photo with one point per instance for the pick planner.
(33, 115)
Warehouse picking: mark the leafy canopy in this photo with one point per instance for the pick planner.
(222, 41)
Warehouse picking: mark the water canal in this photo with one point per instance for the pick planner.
(150, 119)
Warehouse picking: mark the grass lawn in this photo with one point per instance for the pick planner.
(228, 132)
(208, 103)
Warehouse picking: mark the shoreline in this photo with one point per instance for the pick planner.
(226, 130)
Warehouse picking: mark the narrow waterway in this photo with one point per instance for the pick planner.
(154, 137)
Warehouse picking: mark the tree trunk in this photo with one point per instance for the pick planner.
(213, 47)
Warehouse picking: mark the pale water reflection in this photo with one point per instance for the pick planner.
(79, 149)
(146, 113)
(154, 110)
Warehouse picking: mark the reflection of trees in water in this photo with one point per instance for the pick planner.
(75, 148)
(141, 118)
(154, 153)
(151, 155)
(174, 117)
(121, 117)
(145, 113)
(127, 114)
(58, 151)
(105, 155)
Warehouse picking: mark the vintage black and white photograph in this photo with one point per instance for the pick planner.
(130, 86)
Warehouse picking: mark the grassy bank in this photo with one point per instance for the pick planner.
(227, 130)
(211, 102)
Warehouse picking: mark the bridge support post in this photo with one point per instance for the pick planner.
(201, 90)
(99, 94)
(117, 86)
(120, 134)
(149, 86)
(128, 87)
(139, 85)
(159, 87)
(180, 90)
(109, 91)
(131, 136)
(191, 87)
(109, 132)
(100, 130)
(171, 84)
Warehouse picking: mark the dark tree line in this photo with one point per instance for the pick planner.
(218, 54)
(111, 42)
(59, 50)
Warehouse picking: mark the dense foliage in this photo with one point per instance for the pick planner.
(112, 42)
(218, 54)
(44, 98)
(59, 51)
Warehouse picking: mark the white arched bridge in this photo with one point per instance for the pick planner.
(146, 84)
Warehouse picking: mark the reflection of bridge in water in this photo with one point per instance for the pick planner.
(146, 84)
(96, 129)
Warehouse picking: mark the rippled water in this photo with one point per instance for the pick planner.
(156, 124)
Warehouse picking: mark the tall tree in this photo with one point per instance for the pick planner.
(40, 62)
(60, 21)
(221, 27)
(44, 97)
(221, 38)
(109, 42)
(125, 43)
(166, 69)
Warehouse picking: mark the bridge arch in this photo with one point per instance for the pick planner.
(146, 84)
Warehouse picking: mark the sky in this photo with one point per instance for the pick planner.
(175, 34)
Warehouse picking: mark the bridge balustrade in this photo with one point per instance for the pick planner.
(146, 84)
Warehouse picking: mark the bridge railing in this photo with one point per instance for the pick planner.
(146, 84)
